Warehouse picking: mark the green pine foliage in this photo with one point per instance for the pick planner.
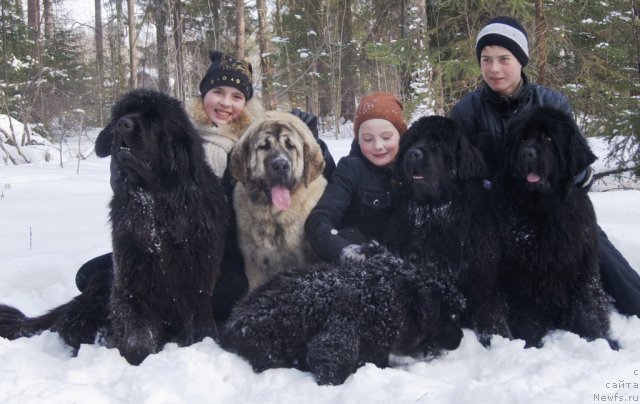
(596, 66)
(424, 51)
(15, 48)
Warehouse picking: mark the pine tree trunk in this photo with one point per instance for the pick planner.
(291, 95)
(266, 67)
(99, 56)
(349, 81)
(99, 39)
(316, 43)
(133, 62)
(541, 43)
(412, 33)
(48, 21)
(118, 62)
(162, 58)
(178, 30)
(635, 7)
(240, 27)
(216, 31)
(33, 20)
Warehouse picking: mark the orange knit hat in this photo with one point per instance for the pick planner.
(382, 106)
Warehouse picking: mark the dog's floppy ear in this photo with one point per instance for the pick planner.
(104, 141)
(313, 162)
(238, 161)
(311, 153)
(579, 155)
(469, 160)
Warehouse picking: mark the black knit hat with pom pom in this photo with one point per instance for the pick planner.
(227, 71)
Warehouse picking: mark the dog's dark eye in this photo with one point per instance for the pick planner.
(265, 146)
(289, 144)
(547, 139)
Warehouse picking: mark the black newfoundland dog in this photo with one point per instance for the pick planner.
(444, 221)
(550, 274)
(169, 217)
(331, 319)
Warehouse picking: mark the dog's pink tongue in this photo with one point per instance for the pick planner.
(280, 197)
(533, 177)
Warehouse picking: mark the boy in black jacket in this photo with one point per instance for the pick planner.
(503, 51)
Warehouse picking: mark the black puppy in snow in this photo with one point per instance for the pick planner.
(332, 319)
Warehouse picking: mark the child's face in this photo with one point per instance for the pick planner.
(223, 104)
(500, 70)
(379, 141)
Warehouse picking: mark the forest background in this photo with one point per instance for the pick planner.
(59, 75)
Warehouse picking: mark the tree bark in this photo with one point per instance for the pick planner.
(635, 17)
(116, 40)
(99, 55)
(240, 28)
(540, 45)
(266, 67)
(133, 62)
(33, 21)
(48, 21)
(178, 30)
(216, 31)
(413, 34)
(162, 58)
(349, 82)
(291, 95)
(99, 38)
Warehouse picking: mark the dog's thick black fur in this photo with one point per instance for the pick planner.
(331, 319)
(169, 217)
(444, 221)
(550, 274)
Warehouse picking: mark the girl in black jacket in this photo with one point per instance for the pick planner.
(483, 115)
(357, 203)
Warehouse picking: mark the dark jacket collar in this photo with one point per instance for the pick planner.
(512, 103)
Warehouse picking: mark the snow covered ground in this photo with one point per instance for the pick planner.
(53, 219)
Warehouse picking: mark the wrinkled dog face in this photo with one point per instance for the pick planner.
(276, 156)
(276, 162)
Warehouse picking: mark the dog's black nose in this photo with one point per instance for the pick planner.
(124, 125)
(528, 153)
(414, 154)
(280, 165)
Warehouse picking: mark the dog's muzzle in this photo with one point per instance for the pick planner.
(413, 163)
(278, 169)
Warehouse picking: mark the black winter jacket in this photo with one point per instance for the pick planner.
(483, 115)
(354, 208)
